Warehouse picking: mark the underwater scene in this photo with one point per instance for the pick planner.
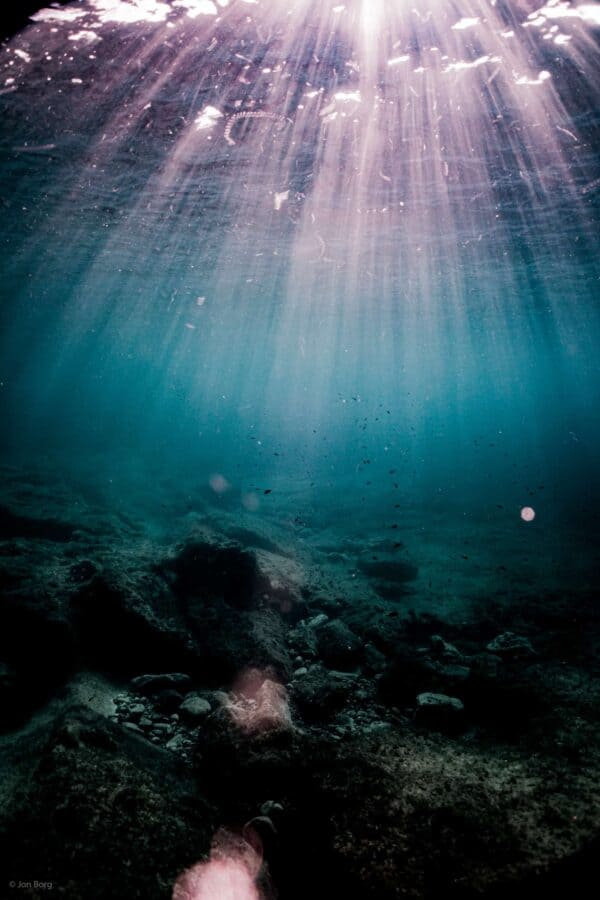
(300, 495)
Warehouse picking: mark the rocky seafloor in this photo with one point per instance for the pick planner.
(240, 704)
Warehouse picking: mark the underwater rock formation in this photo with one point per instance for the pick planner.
(154, 694)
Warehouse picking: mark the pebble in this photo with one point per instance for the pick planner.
(510, 646)
(163, 728)
(131, 726)
(438, 711)
(195, 707)
(177, 743)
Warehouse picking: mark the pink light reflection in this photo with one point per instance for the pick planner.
(229, 874)
(528, 514)
(260, 703)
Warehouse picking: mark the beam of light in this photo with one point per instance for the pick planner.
(360, 164)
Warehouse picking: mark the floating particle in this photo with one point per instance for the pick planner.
(250, 502)
(528, 514)
(280, 198)
(219, 484)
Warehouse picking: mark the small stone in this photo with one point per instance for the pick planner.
(375, 661)
(439, 712)
(511, 646)
(144, 722)
(270, 808)
(377, 726)
(317, 621)
(163, 728)
(136, 710)
(453, 672)
(300, 672)
(131, 726)
(320, 692)
(222, 698)
(260, 833)
(177, 743)
(441, 649)
(195, 708)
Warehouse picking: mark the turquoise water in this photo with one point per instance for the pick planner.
(368, 309)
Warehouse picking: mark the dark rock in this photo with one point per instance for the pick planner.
(320, 693)
(82, 571)
(338, 646)
(511, 646)
(505, 698)
(442, 650)
(374, 660)
(390, 577)
(249, 538)
(123, 627)
(439, 712)
(210, 572)
(261, 834)
(195, 708)
(451, 673)
(269, 643)
(14, 525)
(152, 684)
(37, 643)
(303, 640)
(131, 726)
(101, 805)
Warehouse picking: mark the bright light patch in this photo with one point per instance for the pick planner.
(259, 704)
(280, 198)
(57, 15)
(480, 61)
(348, 97)
(125, 12)
(528, 514)
(541, 78)
(229, 874)
(207, 118)
(219, 484)
(197, 7)
(86, 37)
(587, 12)
(396, 60)
(465, 23)
(219, 879)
